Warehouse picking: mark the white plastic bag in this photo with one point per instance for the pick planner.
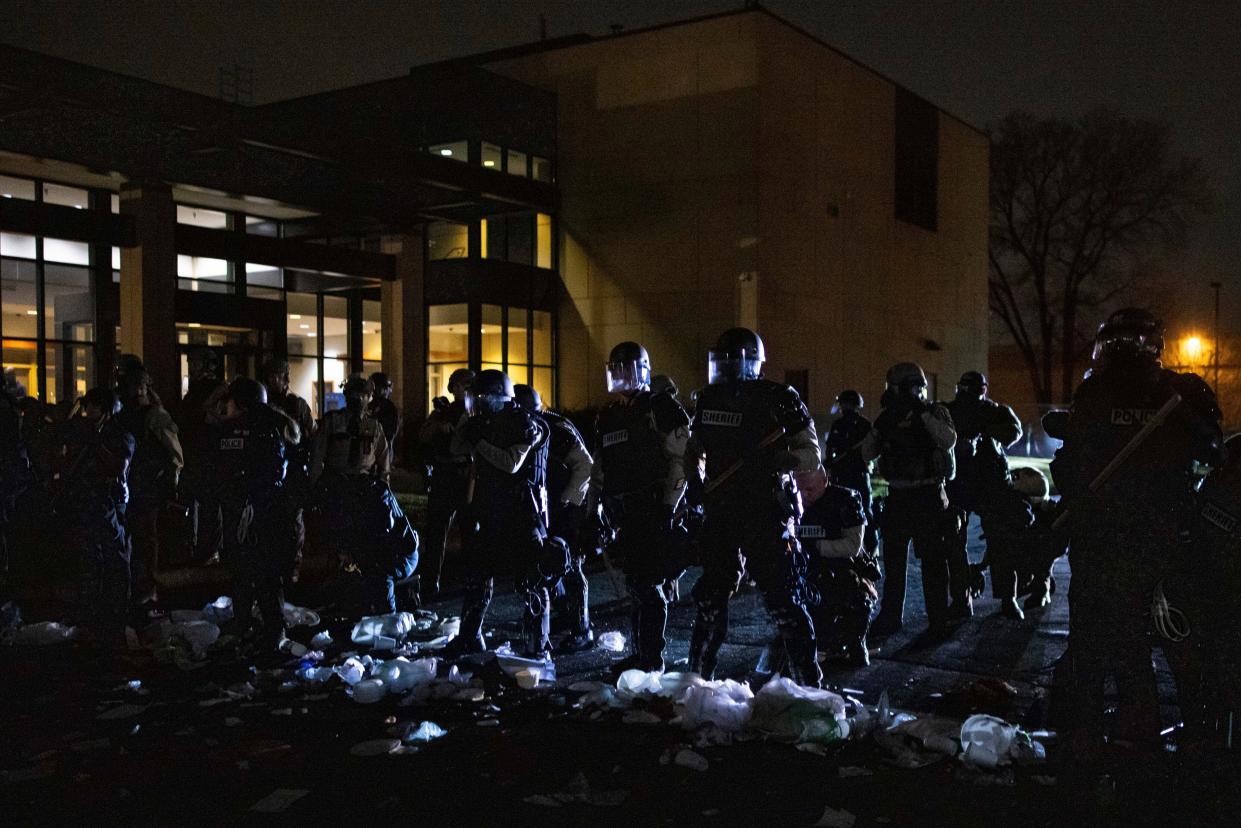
(986, 741)
(707, 704)
(611, 641)
(382, 632)
(639, 681)
(219, 611)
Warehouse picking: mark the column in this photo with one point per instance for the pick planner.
(404, 333)
(149, 286)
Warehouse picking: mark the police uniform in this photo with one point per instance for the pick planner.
(250, 463)
(158, 460)
(448, 482)
(15, 471)
(639, 472)
(913, 443)
(1125, 537)
(506, 505)
(568, 483)
(750, 516)
(91, 514)
(848, 469)
(832, 532)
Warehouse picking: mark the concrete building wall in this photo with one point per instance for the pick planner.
(735, 171)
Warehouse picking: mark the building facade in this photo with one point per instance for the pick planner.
(524, 209)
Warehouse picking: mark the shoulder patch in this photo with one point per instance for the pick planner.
(613, 438)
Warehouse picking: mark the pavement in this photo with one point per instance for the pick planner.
(79, 742)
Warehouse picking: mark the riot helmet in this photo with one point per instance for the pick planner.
(492, 390)
(972, 385)
(202, 362)
(906, 380)
(628, 369)
(663, 384)
(357, 390)
(526, 397)
(381, 383)
(848, 400)
(1031, 482)
(246, 393)
(1131, 336)
(738, 355)
(275, 375)
(459, 382)
(101, 402)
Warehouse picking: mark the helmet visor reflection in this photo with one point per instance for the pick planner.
(626, 376)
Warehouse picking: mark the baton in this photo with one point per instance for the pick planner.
(735, 467)
(1126, 452)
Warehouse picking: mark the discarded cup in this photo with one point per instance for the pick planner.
(528, 678)
(611, 641)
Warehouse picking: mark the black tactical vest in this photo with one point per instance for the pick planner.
(563, 437)
(733, 419)
(493, 488)
(629, 441)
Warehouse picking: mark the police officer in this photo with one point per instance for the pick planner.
(639, 477)
(985, 428)
(196, 415)
(755, 434)
(250, 462)
(384, 410)
(448, 472)
(568, 483)
(912, 440)
(366, 526)
(153, 476)
(1125, 532)
(847, 467)
(91, 506)
(15, 469)
(296, 489)
(505, 502)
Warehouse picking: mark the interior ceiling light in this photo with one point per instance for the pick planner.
(295, 316)
(445, 151)
(32, 313)
(195, 325)
(303, 325)
(489, 163)
(311, 335)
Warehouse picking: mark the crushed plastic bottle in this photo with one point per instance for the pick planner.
(219, 611)
(611, 641)
(402, 675)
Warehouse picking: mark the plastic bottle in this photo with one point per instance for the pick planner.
(611, 641)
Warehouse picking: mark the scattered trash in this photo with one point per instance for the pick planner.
(401, 675)
(853, 771)
(513, 664)
(528, 678)
(374, 747)
(292, 647)
(219, 611)
(427, 731)
(785, 711)
(351, 671)
(278, 800)
(470, 694)
(639, 681)
(640, 717)
(987, 741)
(382, 632)
(611, 641)
(835, 818)
(43, 633)
(727, 706)
(369, 691)
(299, 616)
(488, 722)
(122, 711)
(687, 758)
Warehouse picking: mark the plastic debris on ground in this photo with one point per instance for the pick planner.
(299, 616)
(219, 611)
(786, 711)
(375, 747)
(512, 664)
(427, 731)
(42, 633)
(611, 641)
(687, 758)
(383, 632)
(988, 742)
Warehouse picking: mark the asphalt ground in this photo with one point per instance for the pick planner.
(286, 754)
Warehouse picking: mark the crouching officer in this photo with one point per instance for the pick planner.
(755, 434)
(1127, 531)
(91, 506)
(568, 483)
(639, 475)
(842, 457)
(505, 503)
(365, 525)
(250, 464)
(913, 440)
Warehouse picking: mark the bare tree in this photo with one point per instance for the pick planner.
(1074, 204)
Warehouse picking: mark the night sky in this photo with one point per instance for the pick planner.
(1178, 61)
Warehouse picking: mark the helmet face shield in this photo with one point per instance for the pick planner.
(1123, 345)
(627, 376)
(490, 403)
(733, 365)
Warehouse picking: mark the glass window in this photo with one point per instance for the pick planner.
(544, 383)
(456, 150)
(517, 330)
(448, 346)
(67, 197)
(18, 299)
(199, 273)
(69, 370)
(17, 245)
(519, 374)
(116, 258)
(264, 281)
(259, 226)
(542, 337)
(200, 217)
(334, 373)
(335, 333)
(494, 238)
(543, 241)
(516, 163)
(304, 380)
(20, 357)
(303, 325)
(492, 156)
(492, 333)
(16, 188)
(68, 252)
(372, 333)
(447, 240)
(69, 306)
(521, 238)
(482, 239)
(540, 169)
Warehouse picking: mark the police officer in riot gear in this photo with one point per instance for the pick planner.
(506, 501)
(848, 469)
(755, 434)
(15, 470)
(639, 475)
(250, 462)
(985, 428)
(568, 484)
(1126, 532)
(448, 472)
(912, 440)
